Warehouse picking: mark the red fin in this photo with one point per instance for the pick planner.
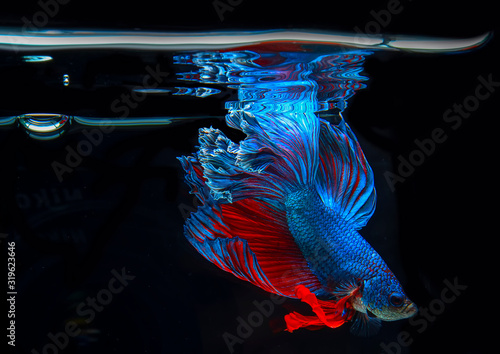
(328, 313)
(241, 232)
(248, 237)
(265, 229)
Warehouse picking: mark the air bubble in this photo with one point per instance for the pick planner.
(44, 126)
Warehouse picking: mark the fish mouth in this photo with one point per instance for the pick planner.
(410, 310)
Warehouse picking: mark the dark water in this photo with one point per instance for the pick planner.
(96, 200)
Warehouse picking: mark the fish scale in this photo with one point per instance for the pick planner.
(335, 251)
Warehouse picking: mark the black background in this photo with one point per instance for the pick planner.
(127, 199)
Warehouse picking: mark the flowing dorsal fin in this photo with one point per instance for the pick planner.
(344, 179)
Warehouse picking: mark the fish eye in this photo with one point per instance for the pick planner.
(396, 299)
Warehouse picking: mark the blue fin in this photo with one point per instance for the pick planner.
(235, 256)
(228, 178)
(279, 154)
(345, 179)
(364, 325)
(249, 237)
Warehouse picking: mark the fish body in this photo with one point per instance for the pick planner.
(338, 255)
(335, 251)
(282, 208)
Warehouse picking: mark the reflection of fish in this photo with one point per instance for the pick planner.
(281, 210)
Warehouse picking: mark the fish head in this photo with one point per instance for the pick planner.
(383, 297)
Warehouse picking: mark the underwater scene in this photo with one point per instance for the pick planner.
(267, 191)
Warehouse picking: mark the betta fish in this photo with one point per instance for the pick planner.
(282, 208)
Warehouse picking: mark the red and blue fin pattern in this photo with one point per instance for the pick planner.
(242, 225)
(248, 238)
(344, 179)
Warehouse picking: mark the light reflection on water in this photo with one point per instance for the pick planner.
(267, 82)
(273, 70)
(281, 82)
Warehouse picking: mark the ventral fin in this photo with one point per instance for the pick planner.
(365, 324)
(327, 313)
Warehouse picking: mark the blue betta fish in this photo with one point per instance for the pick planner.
(282, 210)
